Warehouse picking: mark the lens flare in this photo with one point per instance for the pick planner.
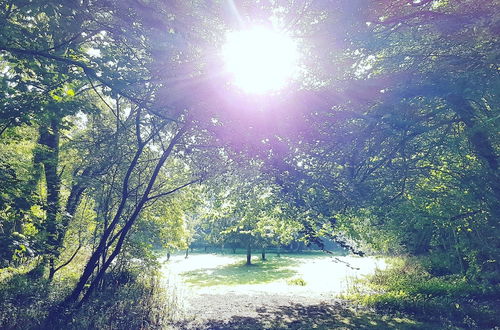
(260, 60)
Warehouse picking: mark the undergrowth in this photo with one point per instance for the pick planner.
(128, 300)
(407, 287)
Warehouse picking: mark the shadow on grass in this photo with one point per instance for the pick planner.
(321, 316)
(238, 273)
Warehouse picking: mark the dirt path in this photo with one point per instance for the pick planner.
(263, 311)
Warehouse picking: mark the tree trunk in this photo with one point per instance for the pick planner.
(249, 255)
(107, 240)
(278, 252)
(485, 150)
(187, 253)
(48, 156)
(263, 255)
(480, 142)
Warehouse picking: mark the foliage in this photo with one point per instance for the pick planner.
(139, 301)
(407, 287)
(247, 212)
(112, 111)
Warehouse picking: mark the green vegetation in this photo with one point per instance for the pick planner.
(122, 134)
(407, 287)
(296, 281)
(240, 273)
(129, 299)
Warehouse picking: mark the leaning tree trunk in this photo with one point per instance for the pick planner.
(108, 238)
(74, 199)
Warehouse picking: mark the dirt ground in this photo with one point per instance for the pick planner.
(266, 311)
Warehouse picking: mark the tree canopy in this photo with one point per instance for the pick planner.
(120, 131)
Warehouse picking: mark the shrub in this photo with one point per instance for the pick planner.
(128, 300)
(407, 286)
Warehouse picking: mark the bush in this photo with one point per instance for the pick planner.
(24, 302)
(128, 300)
(408, 287)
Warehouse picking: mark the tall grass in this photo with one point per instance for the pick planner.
(407, 287)
(128, 300)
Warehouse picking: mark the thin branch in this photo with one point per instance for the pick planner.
(172, 191)
(4, 128)
(70, 259)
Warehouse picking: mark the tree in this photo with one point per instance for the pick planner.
(247, 212)
(398, 157)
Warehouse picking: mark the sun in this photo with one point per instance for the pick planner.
(260, 60)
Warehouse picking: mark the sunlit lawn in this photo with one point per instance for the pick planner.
(310, 271)
(273, 269)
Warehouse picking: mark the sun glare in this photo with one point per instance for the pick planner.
(260, 60)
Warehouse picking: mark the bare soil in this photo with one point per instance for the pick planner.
(263, 311)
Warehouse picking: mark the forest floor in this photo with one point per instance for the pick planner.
(298, 291)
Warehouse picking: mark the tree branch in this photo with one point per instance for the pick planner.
(70, 259)
(172, 191)
(90, 72)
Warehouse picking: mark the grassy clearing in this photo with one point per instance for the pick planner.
(407, 287)
(238, 273)
(321, 274)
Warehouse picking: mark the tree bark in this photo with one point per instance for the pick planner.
(48, 156)
(107, 240)
(481, 146)
(249, 255)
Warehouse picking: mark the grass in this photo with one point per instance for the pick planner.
(296, 281)
(238, 273)
(139, 303)
(409, 288)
